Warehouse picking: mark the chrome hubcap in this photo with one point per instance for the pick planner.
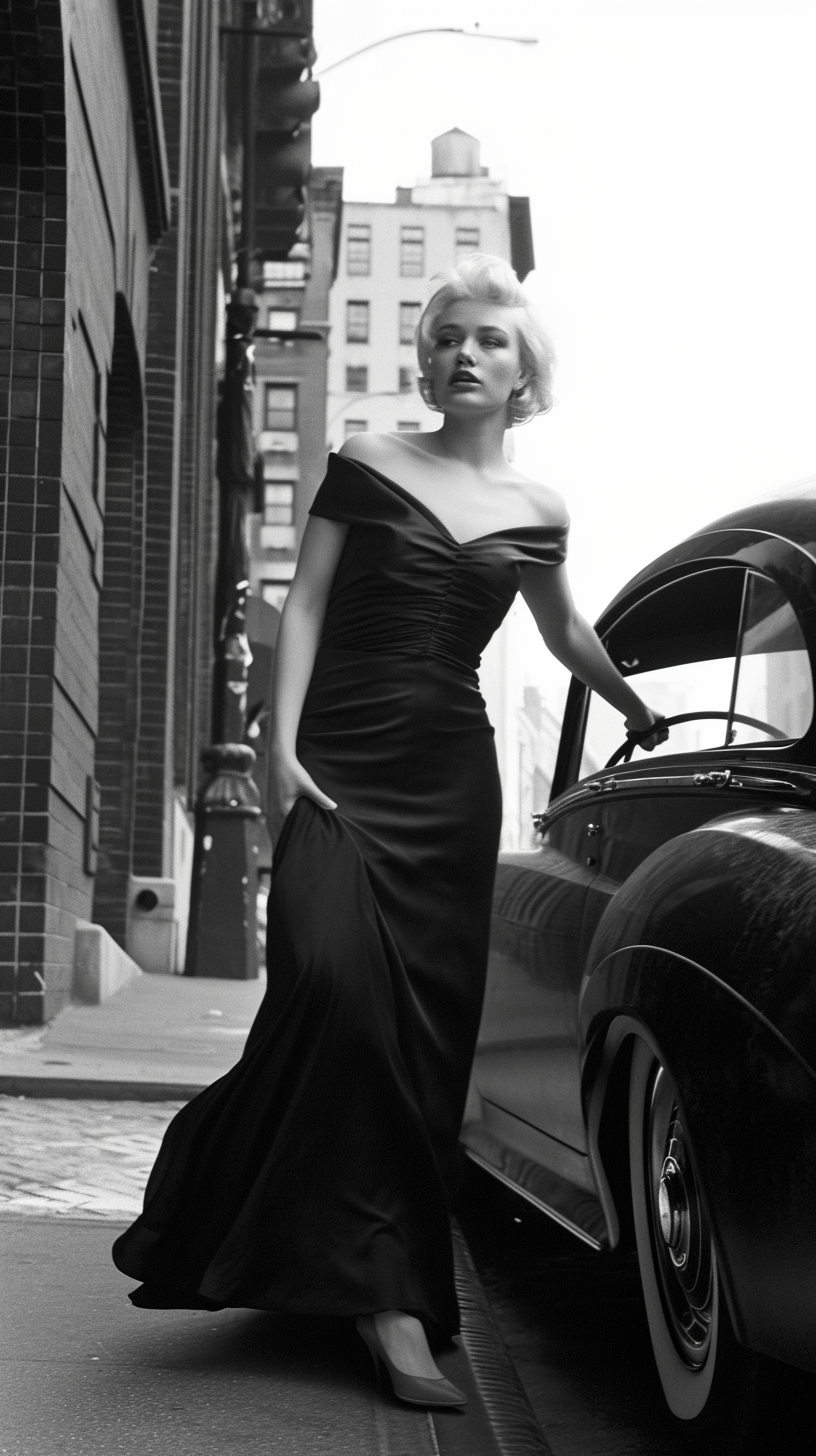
(673, 1209)
(682, 1239)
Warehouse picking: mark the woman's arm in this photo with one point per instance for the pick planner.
(571, 639)
(298, 638)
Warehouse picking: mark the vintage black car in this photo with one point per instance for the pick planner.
(646, 1067)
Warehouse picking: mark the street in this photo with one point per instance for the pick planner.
(575, 1325)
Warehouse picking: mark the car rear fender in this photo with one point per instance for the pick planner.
(736, 895)
(748, 1099)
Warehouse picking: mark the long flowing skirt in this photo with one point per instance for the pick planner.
(315, 1176)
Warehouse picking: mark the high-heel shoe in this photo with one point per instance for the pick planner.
(414, 1389)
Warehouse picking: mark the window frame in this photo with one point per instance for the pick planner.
(280, 504)
(460, 248)
(358, 265)
(364, 335)
(274, 310)
(270, 387)
(408, 268)
(407, 324)
(362, 370)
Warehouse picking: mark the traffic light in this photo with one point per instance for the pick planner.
(284, 105)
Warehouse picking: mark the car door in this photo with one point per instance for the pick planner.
(528, 1023)
(719, 640)
(765, 692)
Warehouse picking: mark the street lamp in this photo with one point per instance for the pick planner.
(269, 105)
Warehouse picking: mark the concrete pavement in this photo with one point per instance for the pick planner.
(84, 1372)
(162, 1037)
(83, 1105)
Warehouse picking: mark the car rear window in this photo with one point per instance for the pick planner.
(722, 640)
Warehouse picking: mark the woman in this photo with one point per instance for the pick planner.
(315, 1176)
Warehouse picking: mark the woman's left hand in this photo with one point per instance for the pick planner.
(639, 722)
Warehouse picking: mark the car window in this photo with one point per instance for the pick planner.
(774, 684)
(722, 640)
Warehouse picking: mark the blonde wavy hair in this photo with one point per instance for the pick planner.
(489, 279)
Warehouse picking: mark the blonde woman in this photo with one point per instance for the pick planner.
(315, 1176)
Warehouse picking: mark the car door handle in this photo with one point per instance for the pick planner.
(717, 778)
(593, 829)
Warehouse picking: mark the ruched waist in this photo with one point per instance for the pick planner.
(434, 651)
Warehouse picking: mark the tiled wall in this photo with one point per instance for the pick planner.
(106, 452)
(37, 830)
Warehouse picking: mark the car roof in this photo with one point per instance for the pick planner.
(789, 513)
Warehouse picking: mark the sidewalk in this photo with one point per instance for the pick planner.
(84, 1372)
(162, 1038)
(81, 1370)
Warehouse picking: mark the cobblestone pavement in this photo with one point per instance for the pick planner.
(78, 1159)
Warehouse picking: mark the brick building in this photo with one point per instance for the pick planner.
(109, 192)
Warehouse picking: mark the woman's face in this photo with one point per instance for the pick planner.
(475, 362)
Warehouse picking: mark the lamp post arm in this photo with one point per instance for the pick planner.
(427, 30)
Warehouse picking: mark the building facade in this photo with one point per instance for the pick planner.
(389, 254)
(108, 188)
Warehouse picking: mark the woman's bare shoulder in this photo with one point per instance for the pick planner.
(548, 506)
(381, 451)
(368, 448)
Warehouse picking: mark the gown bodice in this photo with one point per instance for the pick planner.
(405, 586)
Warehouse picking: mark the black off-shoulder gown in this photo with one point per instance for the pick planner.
(314, 1176)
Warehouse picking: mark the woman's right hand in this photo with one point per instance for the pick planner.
(640, 721)
(288, 780)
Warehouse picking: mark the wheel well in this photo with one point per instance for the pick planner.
(613, 1141)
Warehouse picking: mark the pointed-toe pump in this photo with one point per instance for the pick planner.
(422, 1390)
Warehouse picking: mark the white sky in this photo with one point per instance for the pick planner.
(668, 148)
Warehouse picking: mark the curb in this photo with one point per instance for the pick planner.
(498, 1420)
(98, 1089)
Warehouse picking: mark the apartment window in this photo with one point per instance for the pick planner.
(467, 241)
(285, 319)
(279, 502)
(409, 314)
(412, 252)
(355, 427)
(357, 321)
(407, 425)
(292, 272)
(281, 407)
(358, 250)
(356, 379)
(406, 380)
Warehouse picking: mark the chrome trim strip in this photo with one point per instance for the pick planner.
(558, 1218)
